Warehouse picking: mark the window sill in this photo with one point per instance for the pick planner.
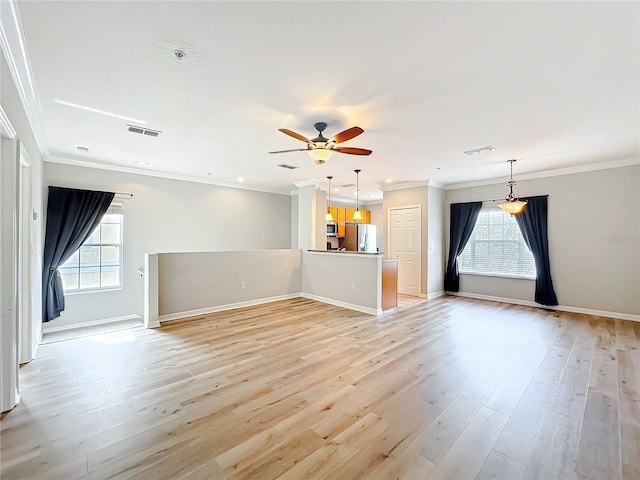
(499, 275)
(92, 290)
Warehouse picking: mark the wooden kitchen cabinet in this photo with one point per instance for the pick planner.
(366, 216)
(344, 215)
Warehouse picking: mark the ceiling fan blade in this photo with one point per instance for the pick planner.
(295, 150)
(353, 151)
(294, 135)
(348, 134)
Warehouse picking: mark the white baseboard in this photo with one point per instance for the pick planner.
(431, 296)
(104, 321)
(172, 317)
(338, 303)
(561, 308)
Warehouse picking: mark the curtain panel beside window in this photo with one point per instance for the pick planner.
(71, 217)
(462, 220)
(533, 225)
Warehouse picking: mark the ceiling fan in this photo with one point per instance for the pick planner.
(321, 148)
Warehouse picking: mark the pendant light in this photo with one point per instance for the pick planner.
(357, 215)
(328, 217)
(512, 203)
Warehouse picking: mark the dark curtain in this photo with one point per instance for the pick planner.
(533, 225)
(71, 217)
(462, 221)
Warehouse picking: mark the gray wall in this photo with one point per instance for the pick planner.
(193, 281)
(171, 216)
(594, 239)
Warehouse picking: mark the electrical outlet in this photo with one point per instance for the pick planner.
(353, 287)
(243, 285)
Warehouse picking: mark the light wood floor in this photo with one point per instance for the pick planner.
(445, 388)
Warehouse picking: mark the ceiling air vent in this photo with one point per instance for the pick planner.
(143, 130)
(347, 185)
(289, 167)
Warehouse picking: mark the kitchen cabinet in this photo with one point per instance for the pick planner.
(344, 215)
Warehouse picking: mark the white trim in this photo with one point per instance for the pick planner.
(155, 173)
(306, 183)
(338, 303)
(6, 125)
(436, 184)
(561, 308)
(13, 46)
(92, 323)
(550, 173)
(186, 315)
(402, 186)
(431, 296)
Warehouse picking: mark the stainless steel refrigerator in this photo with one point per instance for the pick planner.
(359, 237)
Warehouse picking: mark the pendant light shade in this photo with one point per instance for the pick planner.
(512, 203)
(357, 215)
(328, 216)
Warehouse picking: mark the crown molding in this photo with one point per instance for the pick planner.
(157, 174)
(550, 173)
(6, 126)
(306, 183)
(402, 186)
(14, 50)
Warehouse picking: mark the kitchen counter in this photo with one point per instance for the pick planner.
(347, 252)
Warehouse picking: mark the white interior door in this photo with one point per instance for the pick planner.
(404, 244)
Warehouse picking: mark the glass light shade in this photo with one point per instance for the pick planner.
(328, 217)
(320, 153)
(513, 207)
(357, 215)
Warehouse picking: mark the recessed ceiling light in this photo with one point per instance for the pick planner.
(97, 110)
(82, 149)
(240, 179)
(142, 162)
(389, 180)
(488, 148)
(336, 189)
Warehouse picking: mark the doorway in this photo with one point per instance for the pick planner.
(405, 239)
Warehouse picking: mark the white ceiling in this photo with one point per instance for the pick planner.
(552, 84)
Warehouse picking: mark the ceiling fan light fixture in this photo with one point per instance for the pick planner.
(320, 154)
(512, 203)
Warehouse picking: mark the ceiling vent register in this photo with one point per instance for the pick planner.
(143, 131)
(289, 167)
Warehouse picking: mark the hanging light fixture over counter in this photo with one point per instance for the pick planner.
(512, 203)
(357, 215)
(328, 217)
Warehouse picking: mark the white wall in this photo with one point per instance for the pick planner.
(594, 239)
(170, 216)
(17, 118)
(435, 241)
(377, 219)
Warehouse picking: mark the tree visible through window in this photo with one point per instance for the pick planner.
(496, 248)
(97, 264)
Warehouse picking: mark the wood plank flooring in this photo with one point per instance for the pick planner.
(446, 388)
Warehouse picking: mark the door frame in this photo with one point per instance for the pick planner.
(406, 207)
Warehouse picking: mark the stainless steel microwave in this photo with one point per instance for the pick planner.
(332, 229)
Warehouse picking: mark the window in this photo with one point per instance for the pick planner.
(496, 248)
(97, 264)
